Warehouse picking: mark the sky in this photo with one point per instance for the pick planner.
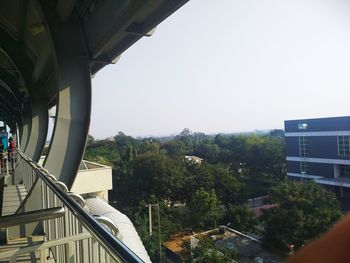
(222, 66)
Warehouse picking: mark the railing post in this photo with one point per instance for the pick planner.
(7, 165)
(43, 255)
(70, 252)
(95, 256)
(13, 259)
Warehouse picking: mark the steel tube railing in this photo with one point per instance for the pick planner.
(113, 246)
(32, 216)
(108, 223)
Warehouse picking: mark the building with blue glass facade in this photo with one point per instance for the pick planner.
(319, 150)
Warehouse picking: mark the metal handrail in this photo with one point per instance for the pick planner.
(53, 178)
(62, 186)
(109, 223)
(77, 198)
(110, 243)
(31, 216)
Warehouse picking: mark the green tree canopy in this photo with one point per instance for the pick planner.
(241, 218)
(204, 209)
(151, 174)
(90, 140)
(122, 140)
(305, 211)
(207, 252)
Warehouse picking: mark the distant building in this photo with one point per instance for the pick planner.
(193, 159)
(319, 150)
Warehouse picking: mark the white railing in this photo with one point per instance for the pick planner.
(74, 237)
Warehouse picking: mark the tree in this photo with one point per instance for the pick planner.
(173, 148)
(122, 140)
(151, 174)
(208, 151)
(277, 133)
(240, 217)
(213, 176)
(102, 151)
(264, 163)
(90, 140)
(204, 209)
(207, 252)
(227, 187)
(185, 132)
(265, 154)
(304, 212)
(127, 153)
(149, 146)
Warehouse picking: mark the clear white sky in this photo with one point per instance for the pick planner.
(227, 66)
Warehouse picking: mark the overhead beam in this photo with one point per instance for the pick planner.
(9, 99)
(8, 81)
(113, 28)
(125, 32)
(140, 30)
(5, 114)
(18, 54)
(4, 104)
(23, 16)
(64, 9)
(41, 63)
(34, 121)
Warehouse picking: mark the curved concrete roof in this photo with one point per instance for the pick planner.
(127, 231)
(109, 28)
(48, 52)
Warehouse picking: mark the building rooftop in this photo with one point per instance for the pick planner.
(249, 248)
(178, 243)
(319, 124)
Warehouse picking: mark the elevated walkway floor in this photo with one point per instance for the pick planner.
(32, 257)
(13, 195)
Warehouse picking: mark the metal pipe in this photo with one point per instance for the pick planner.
(32, 216)
(62, 186)
(77, 198)
(52, 177)
(109, 223)
(117, 249)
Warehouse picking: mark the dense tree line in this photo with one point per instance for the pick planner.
(234, 169)
(158, 167)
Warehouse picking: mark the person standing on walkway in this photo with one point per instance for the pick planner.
(11, 151)
(2, 156)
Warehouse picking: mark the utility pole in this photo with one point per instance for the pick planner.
(150, 219)
(150, 225)
(160, 239)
